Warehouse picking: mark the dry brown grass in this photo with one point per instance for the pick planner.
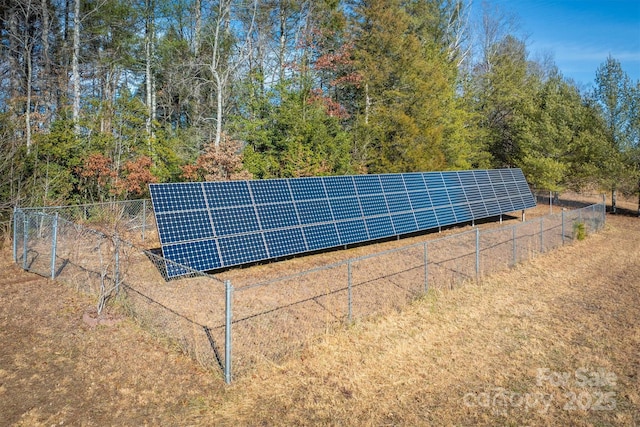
(575, 308)
(572, 308)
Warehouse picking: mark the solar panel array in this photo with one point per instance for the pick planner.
(211, 225)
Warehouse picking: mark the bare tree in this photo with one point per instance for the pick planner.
(225, 57)
(75, 61)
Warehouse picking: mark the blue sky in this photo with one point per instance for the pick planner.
(580, 34)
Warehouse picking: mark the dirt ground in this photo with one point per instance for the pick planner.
(555, 341)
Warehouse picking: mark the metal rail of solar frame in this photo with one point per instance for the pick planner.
(212, 225)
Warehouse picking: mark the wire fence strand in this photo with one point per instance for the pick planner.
(106, 250)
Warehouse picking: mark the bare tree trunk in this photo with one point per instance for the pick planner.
(219, 108)
(75, 66)
(14, 61)
(148, 70)
(197, 33)
(220, 65)
(614, 194)
(27, 107)
(283, 42)
(46, 65)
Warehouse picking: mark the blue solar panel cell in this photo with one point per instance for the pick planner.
(478, 210)
(500, 190)
(345, 208)
(285, 242)
(523, 188)
(339, 186)
(433, 180)
(487, 192)
(439, 197)
(368, 184)
(451, 179)
(517, 174)
(467, 178)
(445, 216)
(507, 174)
(505, 205)
(278, 215)
(398, 202)
(529, 200)
(473, 193)
(237, 250)
(177, 197)
(462, 213)
(482, 177)
(419, 200)
(456, 195)
(227, 194)
(314, 211)
(353, 231)
(404, 223)
(321, 236)
(495, 176)
(374, 205)
(392, 183)
(518, 203)
(187, 225)
(220, 224)
(308, 189)
(414, 182)
(512, 188)
(270, 191)
(426, 219)
(493, 207)
(200, 256)
(379, 227)
(228, 221)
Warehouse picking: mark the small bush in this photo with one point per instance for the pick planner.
(579, 230)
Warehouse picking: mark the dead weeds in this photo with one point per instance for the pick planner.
(471, 356)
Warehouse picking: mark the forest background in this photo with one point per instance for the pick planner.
(101, 97)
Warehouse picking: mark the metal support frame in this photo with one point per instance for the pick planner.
(563, 232)
(116, 278)
(25, 236)
(15, 234)
(227, 331)
(515, 245)
(349, 296)
(541, 234)
(477, 253)
(426, 269)
(54, 245)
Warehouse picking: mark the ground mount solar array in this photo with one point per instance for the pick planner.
(212, 225)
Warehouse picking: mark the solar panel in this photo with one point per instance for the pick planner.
(211, 225)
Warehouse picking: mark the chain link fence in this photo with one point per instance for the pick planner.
(105, 250)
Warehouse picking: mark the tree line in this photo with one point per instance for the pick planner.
(101, 97)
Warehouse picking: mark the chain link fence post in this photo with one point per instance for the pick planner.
(227, 330)
(349, 312)
(477, 254)
(562, 226)
(144, 218)
(515, 248)
(54, 245)
(15, 234)
(542, 234)
(426, 270)
(25, 236)
(116, 273)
